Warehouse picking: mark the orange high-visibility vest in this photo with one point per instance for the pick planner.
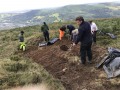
(61, 35)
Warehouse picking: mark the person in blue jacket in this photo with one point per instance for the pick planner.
(70, 28)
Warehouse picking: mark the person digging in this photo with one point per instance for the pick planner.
(85, 37)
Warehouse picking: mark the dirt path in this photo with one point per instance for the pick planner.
(64, 66)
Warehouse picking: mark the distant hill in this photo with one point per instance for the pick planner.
(33, 17)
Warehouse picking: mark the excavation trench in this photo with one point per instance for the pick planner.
(64, 64)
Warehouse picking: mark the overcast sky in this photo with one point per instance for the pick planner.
(18, 5)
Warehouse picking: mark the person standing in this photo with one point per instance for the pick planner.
(85, 37)
(45, 30)
(94, 30)
(21, 39)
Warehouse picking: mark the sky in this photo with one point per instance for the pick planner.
(19, 5)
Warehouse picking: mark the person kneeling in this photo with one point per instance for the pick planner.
(62, 32)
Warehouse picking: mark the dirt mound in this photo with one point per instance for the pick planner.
(65, 66)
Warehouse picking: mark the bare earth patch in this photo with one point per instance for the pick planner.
(65, 66)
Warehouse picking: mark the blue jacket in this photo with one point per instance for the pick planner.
(21, 38)
(71, 28)
(84, 35)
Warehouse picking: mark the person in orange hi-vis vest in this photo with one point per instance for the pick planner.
(62, 32)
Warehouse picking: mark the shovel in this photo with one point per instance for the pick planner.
(70, 47)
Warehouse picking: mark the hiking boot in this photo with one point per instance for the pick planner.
(90, 62)
(83, 63)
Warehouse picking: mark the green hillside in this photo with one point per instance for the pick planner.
(18, 70)
(66, 13)
(103, 10)
(4, 16)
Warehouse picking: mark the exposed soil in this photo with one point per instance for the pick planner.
(65, 66)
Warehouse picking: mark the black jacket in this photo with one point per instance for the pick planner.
(71, 28)
(84, 35)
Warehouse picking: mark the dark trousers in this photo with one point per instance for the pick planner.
(46, 36)
(94, 36)
(85, 50)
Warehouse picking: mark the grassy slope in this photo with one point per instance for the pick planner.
(13, 66)
(17, 71)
